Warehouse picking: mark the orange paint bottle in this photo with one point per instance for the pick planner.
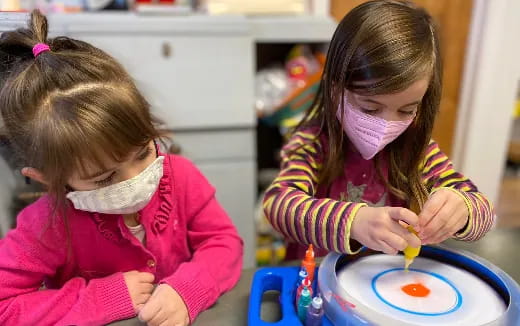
(309, 263)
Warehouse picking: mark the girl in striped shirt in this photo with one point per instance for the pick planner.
(361, 164)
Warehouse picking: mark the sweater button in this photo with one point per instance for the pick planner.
(151, 263)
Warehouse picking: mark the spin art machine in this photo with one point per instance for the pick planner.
(443, 287)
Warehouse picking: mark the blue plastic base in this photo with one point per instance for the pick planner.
(282, 279)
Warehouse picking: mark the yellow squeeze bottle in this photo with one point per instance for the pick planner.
(410, 252)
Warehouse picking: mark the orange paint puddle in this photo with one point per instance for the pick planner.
(416, 290)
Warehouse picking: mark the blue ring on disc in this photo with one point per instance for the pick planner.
(442, 278)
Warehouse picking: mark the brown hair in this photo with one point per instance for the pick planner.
(71, 106)
(381, 47)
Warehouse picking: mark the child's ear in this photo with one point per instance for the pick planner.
(34, 174)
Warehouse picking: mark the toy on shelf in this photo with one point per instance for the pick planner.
(284, 94)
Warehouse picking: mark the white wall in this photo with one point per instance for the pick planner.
(490, 82)
(7, 186)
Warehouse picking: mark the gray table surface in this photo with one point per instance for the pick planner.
(501, 247)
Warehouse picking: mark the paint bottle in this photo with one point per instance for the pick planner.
(410, 253)
(305, 283)
(303, 304)
(315, 312)
(309, 263)
(301, 276)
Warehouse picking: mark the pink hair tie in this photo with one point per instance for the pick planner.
(39, 48)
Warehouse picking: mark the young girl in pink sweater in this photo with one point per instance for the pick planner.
(125, 230)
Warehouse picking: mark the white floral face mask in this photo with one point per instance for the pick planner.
(126, 197)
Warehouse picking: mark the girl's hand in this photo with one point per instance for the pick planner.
(140, 287)
(379, 228)
(444, 214)
(165, 308)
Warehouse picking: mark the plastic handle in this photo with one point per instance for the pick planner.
(280, 279)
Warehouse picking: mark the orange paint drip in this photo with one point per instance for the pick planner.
(416, 290)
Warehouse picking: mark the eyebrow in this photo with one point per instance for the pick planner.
(376, 102)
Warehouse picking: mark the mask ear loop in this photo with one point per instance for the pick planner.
(156, 148)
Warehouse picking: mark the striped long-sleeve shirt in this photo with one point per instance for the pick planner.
(307, 213)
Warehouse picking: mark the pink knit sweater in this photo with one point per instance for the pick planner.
(191, 245)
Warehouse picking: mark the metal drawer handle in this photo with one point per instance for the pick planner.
(166, 50)
(175, 148)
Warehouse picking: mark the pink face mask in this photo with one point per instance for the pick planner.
(368, 133)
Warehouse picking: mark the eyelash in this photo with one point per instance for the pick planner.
(368, 111)
(374, 111)
(109, 179)
(145, 154)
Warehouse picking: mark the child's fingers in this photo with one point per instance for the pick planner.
(146, 277)
(452, 226)
(146, 288)
(432, 206)
(411, 239)
(395, 241)
(458, 218)
(439, 237)
(386, 248)
(455, 223)
(158, 319)
(438, 225)
(177, 323)
(145, 297)
(149, 310)
(403, 214)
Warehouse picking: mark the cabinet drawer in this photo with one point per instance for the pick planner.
(190, 81)
(235, 184)
(227, 159)
(216, 145)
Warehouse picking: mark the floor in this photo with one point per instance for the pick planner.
(508, 205)
(499, 246)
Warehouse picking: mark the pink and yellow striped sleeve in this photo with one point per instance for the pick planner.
(438, 173)
(289, 203)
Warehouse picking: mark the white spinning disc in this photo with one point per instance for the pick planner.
(430, 293)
